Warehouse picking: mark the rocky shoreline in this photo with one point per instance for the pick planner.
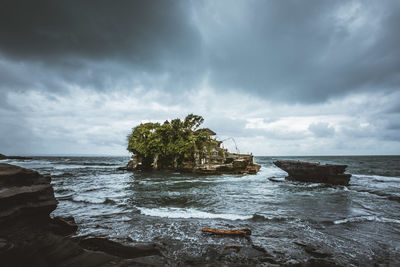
(30, 237)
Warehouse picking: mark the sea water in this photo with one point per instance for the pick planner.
(357, 224)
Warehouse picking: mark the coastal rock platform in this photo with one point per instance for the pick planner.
(29, 237)
(314, 172)
(228, 163)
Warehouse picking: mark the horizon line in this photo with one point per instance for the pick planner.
(127, 155)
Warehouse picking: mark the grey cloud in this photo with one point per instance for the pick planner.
(98, 44)
(15, 134)
(299, 52)
(321, 129)
(288, 51)
(140, 31)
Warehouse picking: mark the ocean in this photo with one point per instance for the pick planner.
(355, 225)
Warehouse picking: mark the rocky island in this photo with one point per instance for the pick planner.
(314, 172)
(183, 146)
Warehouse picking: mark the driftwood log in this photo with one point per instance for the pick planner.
(234, 232)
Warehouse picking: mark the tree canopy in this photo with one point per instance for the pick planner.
(171, 142)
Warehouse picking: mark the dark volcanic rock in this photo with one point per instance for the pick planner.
(29, 237)
(215, 163)
(63, 226)
(314, 172)
(24, 193)
(120, 250)
(2, 156)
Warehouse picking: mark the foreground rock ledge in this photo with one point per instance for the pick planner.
(314, 172)
(29, 237)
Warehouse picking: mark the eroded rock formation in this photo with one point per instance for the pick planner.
(29, 237)
(314, 172)
(213, 163)
(24, 193)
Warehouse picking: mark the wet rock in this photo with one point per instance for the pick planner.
(120, 250)
(28, 237)
(227, 163)
(258, 218)
(315, 253)
(149, 261)
(122, 168)
(233, 246)
(2, 156)
(276, 180)
(315, 263)
(24, 193)
(314, 172)
(63, 225)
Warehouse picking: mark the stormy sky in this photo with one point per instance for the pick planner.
(281, 77)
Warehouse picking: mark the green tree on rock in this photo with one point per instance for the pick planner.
(171, 143)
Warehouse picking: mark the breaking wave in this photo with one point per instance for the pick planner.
(366, 219)
(189, 213)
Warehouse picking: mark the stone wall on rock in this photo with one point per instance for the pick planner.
(215, 161)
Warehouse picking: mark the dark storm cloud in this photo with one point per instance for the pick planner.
(291, 51)
(305, 51)
(140, 31)
(98, 43)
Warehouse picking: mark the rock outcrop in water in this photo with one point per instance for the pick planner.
(182, 146)
(225, 163)
(314, 172)
(2, 156)
(29, 237)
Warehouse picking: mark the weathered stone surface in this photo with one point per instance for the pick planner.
(314, 172)
(63, 225)
(25, 193)
(120, 250)
(228, 163)
(11, 175)
(29, 237)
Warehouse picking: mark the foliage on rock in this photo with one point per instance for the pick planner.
(170, 143)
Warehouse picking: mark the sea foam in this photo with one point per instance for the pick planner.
(190, 213)
(370, 218)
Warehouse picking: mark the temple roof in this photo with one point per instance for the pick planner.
(207, 130)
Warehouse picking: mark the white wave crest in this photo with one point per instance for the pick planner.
(378, 178)
(189, 213)
(370, 218)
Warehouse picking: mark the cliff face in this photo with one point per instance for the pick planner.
(29, 237)
(25, 193)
